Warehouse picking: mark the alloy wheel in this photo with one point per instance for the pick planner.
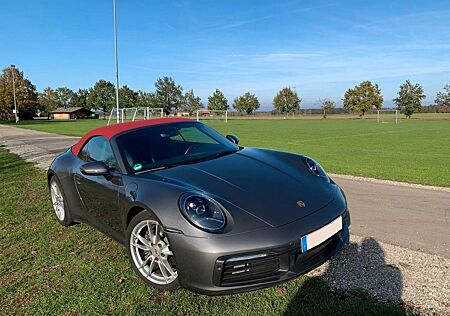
(151, 253)
(57, 200)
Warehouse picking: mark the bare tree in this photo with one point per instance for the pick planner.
(326, 105)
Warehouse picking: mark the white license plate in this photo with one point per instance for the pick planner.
(319, 236)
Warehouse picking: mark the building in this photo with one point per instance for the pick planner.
(70, 113)
(204, 113)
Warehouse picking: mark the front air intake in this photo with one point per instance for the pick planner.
(249, 269)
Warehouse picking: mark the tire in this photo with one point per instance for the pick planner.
(59, 202)
(150, 255)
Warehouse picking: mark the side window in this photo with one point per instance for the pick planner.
(84, 152)
(98, 149)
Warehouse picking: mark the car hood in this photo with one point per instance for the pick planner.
(260, 182)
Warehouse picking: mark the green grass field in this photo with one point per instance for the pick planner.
(46, 269)
(416, 151)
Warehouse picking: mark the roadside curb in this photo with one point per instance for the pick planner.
(390, 182)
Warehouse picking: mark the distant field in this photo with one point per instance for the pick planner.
(342, 116)
(416, 150)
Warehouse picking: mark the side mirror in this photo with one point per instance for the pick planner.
(95, 168)
(232, 138)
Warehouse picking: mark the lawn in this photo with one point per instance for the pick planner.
(416, 151)
(46, 269)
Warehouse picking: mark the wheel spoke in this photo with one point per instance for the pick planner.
(155, 238)
(142, 239)
(56, 191)
(167, 266)
(151, 266)
(55, 195)
(144, 262)
(142, 247)
(163, 270)
(166, 250)
(150, 232)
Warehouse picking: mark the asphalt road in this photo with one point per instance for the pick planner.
(414, 217)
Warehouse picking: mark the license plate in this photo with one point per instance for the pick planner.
(319, 236)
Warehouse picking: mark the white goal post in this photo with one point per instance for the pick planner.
(212, 115)
(135, 114)
(388, 116)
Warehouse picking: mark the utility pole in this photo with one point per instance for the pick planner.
(13, 67)
(117, 61)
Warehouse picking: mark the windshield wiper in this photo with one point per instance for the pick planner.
(187, 162)
(219, 154)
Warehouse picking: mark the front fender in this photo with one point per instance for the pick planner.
(161, 198)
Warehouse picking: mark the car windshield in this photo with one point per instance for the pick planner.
(164, 146)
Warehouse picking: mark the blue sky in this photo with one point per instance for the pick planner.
(319, 47)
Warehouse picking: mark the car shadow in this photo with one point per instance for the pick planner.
(357, 275)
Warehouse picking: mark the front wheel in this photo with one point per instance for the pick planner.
(59, 203)
(150, 253)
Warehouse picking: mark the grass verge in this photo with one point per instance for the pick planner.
(46, 269)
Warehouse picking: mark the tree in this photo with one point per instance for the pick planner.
(65, 97)
(409, 98)
(26, 94)
(217, 101)
(102, 96)
(146, 99)
(286, 101)
(127, 97)
(168, 94)
(48, 100)
(363, 97)
(246, 103)
(80, 98)
(326, 105)
(443, 99)
(191, 102)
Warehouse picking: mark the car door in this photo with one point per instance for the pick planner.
(99, 193)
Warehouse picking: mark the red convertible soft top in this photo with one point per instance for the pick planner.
(111, 130)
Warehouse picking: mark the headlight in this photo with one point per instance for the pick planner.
(202, 211)
(316, 168)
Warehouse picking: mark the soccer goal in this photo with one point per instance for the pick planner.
(134, 114)
(212, 115)
(388, 116)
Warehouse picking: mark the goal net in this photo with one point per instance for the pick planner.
(212, 115)
(134, 114)
(388, 116)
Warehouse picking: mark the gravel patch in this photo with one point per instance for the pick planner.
(390, 274)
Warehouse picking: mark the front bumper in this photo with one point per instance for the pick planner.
(254, 260)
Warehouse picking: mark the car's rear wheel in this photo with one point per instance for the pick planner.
(59, 202)
(150, 252)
